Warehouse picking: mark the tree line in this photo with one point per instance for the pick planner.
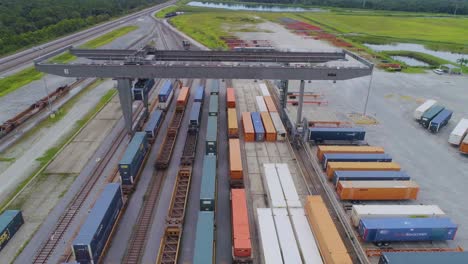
(430, 6)
(29, 22)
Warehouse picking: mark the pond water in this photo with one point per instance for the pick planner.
(410, 61)
(453, 57)
(264, 8)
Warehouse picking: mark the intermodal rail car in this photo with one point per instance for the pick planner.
(131, 163)
(236, 172)
(183, 98)
(153, 125)
(213, 107)
(230, 98)
(204, 252)
(94, 235)
(211, 140)
(208, 184)
(195, 116)
(165, 95)
(241, 243)
(10, 222)
(141, 88)
(199, 94)
(233, 128)
(214, 87)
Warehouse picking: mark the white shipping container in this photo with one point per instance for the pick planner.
(275, 192)
(423, 108)
(304, 236)
(458, 132)
(287, 183)
(397, 211)
(268, 238)
(164, 105)
(261, 104)
(264, 89)
(286, 237)
(280, 130)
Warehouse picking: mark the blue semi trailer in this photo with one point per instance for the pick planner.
(440, 120)
(258, 126)
(133, 158)
(355, 157)
(424, 257)
(141, 89)
(369, 176)
(320, 134)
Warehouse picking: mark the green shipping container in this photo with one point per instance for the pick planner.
(208, 184)
(213, 107)
(430, 114)
(211, 141)
(204, 239)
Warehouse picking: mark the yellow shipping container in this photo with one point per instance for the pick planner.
(330, 244)
(347, 149)
(358, 166)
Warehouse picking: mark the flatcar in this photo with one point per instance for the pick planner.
(141, 89)
(165, 95)
(133, 158)
(199, 94)
(153, 125)
(93, 236)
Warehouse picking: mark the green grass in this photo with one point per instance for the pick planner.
(65, 57)
(4, 159)
(163, 12)
(108, 38)
(19, 79)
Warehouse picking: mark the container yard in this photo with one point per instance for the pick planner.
(201, 170)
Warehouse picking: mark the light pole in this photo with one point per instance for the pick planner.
(368, 93)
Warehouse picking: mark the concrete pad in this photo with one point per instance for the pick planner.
(259, 201)
(272, 149)
(73, 158)
(283, 149)
(253, 166)
(261, 150)
(111, 111)
(250, 149)
(256, 183)
(96, 130)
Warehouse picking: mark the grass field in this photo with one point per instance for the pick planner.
(19, 79)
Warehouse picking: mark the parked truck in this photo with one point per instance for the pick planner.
(459, 132)
(430, 114)
(423, 108)
(440, 120)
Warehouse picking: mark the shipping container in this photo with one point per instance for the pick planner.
(235, 161)
(258, 126)
(330, 243)
(279, 127)
(261, 104)
(241, 244)
(230, 98)
(141, 89)
(204, 246)
(133, 158)
(233, 128)
(424, 257)
(286, 238)
(211, 147)
(268, 238)
(213, 108)
(355, 157)
(394, 211)
(459, 132)
(274, 190)
(249, 132)
(369, 176)
(406, 229)
(464, 145)
(270, 104)
(287, 184)
(304, 236)
(270, 132)
(195, 116)
(361, 166)
(199, 94)
(347, 149)
(377, 190)
(10, 222)
(430, 114)
(96, 230)
(440, 120)
(182, 99)
(423, 108)
(214, 87)
(263, 89)
(165, 95)
(320, 134)
(208, 184)
(153, 125)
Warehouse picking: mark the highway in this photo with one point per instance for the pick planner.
(26, 57)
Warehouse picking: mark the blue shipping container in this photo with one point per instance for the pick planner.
(430, 114)
(133, 158)
(440, 120)
(258, 126)
(199, 94)
(141, 88)
(347, 157)
(88, 245)
(337, 133)
(208, 184)
(406, 229)
(370, 176)
(213, 108)
(165, 91)
(214, 87)
(203, 253)
(424, 257)
(211, 147)
(153, 124)
(10, 222)
(195, 116)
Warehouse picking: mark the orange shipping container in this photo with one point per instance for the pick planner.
(233, 129)
(230, 98)
(235, 161)
(464, 145)
(241, 245)
(182, 98)
(329, 242)
(249, 132)
(270, 104)
(361, 166)
(377, 190)
(347, 149)
(270, 130)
